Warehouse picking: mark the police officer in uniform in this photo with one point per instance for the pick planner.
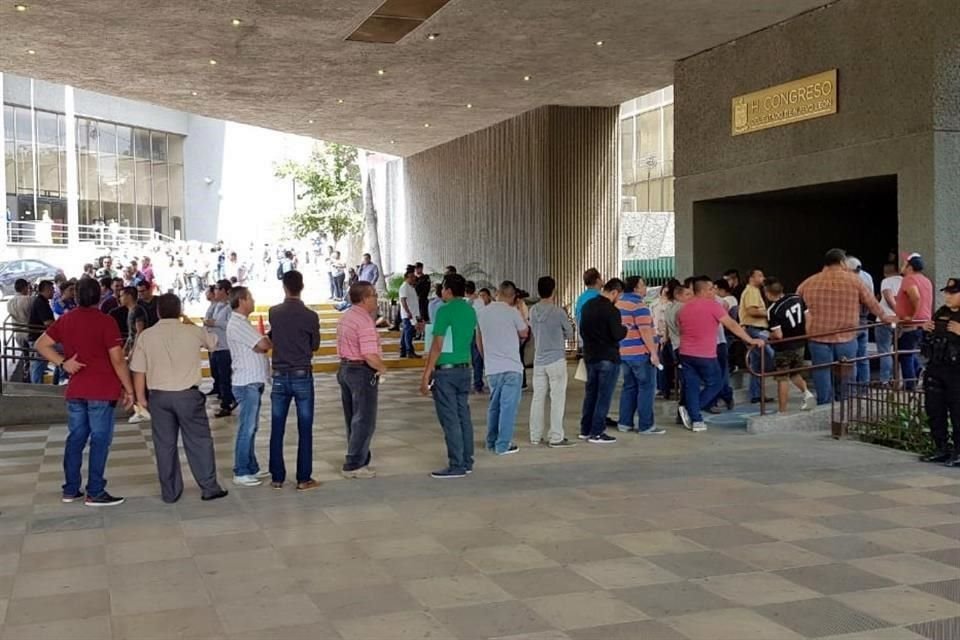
(941, 349)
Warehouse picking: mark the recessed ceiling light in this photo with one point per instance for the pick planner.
(309, 121)
(469, 106)
(236, 22)
(212, 62)
(193, 93)
(433, 36)
(393, 142)
(31, 52)
(599, 43)
(20, 7)
(526, 78)
(426, 125)
(339, 100)
(380, 72)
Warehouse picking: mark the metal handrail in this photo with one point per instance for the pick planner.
(763, 374)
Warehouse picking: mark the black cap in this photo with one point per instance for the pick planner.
(953, 286)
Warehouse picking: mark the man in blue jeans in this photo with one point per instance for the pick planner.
(93, 356)
(447, 376)
(601, 331)
(409, 313)
(295, 333)
(501, 330)
(638, 352)
(251, 371)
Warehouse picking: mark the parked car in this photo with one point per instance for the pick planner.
(30, 270)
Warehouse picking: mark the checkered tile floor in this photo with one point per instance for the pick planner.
(687, 536)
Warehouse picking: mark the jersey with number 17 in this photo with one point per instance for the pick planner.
(788, 314)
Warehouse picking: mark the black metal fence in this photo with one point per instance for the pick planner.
(890, 415)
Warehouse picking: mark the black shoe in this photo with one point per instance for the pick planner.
(67, 498)
(601, 439)
(729, 404)
(936, 456)
(954, 461)
(222, 413)
(757, 400)
(215, 496)
(610, 422)
(103, 500)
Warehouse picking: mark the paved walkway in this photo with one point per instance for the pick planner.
(710, 536)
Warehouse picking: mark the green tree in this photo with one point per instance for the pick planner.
(329, 188)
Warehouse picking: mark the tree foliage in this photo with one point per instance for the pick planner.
(328, 186)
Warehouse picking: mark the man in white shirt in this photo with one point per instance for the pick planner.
(220, 365)
(251, 371)
(18, 308)
(409, 313)
(889, 287)
(501, 328)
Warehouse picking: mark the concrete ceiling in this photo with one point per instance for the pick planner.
(287, 62)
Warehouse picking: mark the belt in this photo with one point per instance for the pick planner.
(293, 370)
(354, 363)
(453, 366)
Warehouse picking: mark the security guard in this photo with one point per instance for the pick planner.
(941, 349)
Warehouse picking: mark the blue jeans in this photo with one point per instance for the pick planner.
(244, 455)
(909, 363)
(755, 332)
(87, 420)
(477, 360)
(884, 336)
(826, 352)
(407, 332)
(701, 384)
(451, 394)
(38, 367)
(505, 391)
(863, 367)
(723, 359)
(287, 386)
(636, 397)
(601, 383)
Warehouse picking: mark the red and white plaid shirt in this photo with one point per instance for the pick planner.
(833, 298)
(357, 335)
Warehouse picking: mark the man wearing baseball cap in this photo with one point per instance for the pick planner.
(941, 348)
(914, 305)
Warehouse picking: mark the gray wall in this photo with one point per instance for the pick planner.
(533, 195)
(897, 115)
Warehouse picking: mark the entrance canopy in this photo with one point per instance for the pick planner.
(291, 65)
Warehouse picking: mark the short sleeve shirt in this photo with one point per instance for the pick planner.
(460, 318)
(89, 335)
(40, 312)
(409, 293)
(248, 366)
(357, 335)
(924, 310)
(751, 298)
(499, 326)
(169, 354)
(698, 321)
(788, 314)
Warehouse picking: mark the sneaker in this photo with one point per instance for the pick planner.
(363, 473)
(67, 498)
(583, 436)
(103, 500)
(263, 473)
(308, 485)
(276, 485)
(652, 431)
(246, 481)
(443, 474)
(136, 419)
(223, 493)
(699, 426)
(602, 439)
(610, 422)
(622, 428)
(222, 413)
(685, 417)
(809, 401)
(512, 449)
(562, 444)
(935, 456)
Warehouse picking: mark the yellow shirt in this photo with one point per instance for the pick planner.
(751, 297)
(169, 354)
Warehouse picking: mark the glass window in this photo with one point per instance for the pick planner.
(47, 128)
(175, 149)
(627, 150)
(176, 188)
(158, 143)
(649, 161)
(108, 138)
(24, 166)
(124, 140)
(8, 122)
(668, 140)
(107, 169)
(48, 168)
(83, 134)
(141, 144)
(126, 180)
(24, 132)
(10, 164)
(144, 193)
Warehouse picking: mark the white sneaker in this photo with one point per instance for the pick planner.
(809, 401)
(246, 481)
(136, 419)
(685, 417)
(699, 426)
(263, 473)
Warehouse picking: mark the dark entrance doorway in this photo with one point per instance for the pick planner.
(787, 232)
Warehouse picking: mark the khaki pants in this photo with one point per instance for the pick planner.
(549, 380)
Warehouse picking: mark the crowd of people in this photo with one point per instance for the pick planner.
(117, 342)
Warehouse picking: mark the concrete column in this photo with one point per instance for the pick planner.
(73, 191)
(3, 179)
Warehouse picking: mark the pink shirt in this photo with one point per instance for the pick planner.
(698, 321)
(925, 287)
(357, 335)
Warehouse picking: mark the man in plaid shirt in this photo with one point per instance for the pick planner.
(833, 298)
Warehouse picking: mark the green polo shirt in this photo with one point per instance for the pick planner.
(459, 316)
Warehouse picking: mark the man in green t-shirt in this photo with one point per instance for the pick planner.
(447, 375)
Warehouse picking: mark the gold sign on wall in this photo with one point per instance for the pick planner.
(803, 99)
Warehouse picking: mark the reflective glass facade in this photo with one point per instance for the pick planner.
(646, 152)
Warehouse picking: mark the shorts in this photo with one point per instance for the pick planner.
(790, 359)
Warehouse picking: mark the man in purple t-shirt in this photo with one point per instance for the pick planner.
(698, 321)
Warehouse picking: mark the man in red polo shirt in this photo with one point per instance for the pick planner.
(93, 356)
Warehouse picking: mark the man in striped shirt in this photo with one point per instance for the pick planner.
(639, 359)
(361, 365)
(251, 371)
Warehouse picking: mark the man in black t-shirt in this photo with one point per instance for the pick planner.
(41, 317)
(787, 319)
(148, 302)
